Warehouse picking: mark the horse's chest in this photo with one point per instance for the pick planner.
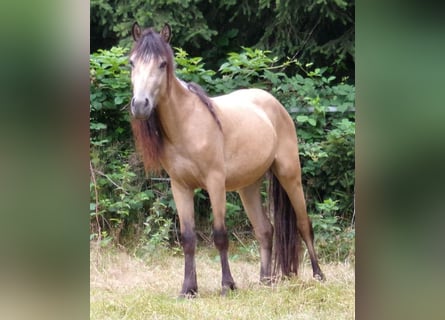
(189, 167)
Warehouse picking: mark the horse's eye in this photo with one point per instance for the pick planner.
(131, 64)
(163, 64)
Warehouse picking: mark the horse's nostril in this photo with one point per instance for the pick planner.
(146, 102)
(132, 101)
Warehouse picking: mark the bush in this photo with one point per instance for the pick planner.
(335, 238)
(127, 205)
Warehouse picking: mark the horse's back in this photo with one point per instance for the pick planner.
(247, 109)
(253, 123)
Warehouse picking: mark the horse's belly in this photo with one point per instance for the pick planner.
(238, 178)
(250, 159)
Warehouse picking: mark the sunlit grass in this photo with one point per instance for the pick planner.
(124, 286)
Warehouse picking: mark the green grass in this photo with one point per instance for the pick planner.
(124, 286)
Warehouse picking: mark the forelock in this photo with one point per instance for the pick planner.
(150, 45)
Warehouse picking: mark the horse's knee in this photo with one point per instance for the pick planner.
(221, 239)
(188, 242)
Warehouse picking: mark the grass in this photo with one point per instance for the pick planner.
(124, 286)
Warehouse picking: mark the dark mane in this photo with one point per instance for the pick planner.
(199, 91)
(149, 141)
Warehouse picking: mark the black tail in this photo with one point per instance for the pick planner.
(287, 238)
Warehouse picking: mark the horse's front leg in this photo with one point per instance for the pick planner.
(217, 194)
(184, 203)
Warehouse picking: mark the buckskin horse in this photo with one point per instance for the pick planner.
(220, 144)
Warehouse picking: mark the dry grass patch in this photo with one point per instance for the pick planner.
(126, 287)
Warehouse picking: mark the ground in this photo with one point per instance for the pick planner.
(124, 286)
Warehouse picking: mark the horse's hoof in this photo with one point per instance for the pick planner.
(266, 281)
(319, 277)
(190, 294)
(226, 288)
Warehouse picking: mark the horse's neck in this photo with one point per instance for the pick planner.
(174, 109)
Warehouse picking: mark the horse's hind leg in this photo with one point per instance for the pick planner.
(289, 175)
(251, 199)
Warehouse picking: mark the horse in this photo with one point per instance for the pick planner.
(220, 144)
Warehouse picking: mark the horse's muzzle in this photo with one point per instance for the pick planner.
(141, 108)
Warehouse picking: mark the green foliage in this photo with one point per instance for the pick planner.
(191, 69)
(157, 227)
(321, 31)
(110, 91)
(312, 31)
(244, 70)
(184, 16)
(328, 166)
(126, 204)
(335, 238)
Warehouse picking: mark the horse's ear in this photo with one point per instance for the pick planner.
(136, 31)
(166, 33)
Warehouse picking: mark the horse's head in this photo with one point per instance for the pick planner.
(151, 60)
